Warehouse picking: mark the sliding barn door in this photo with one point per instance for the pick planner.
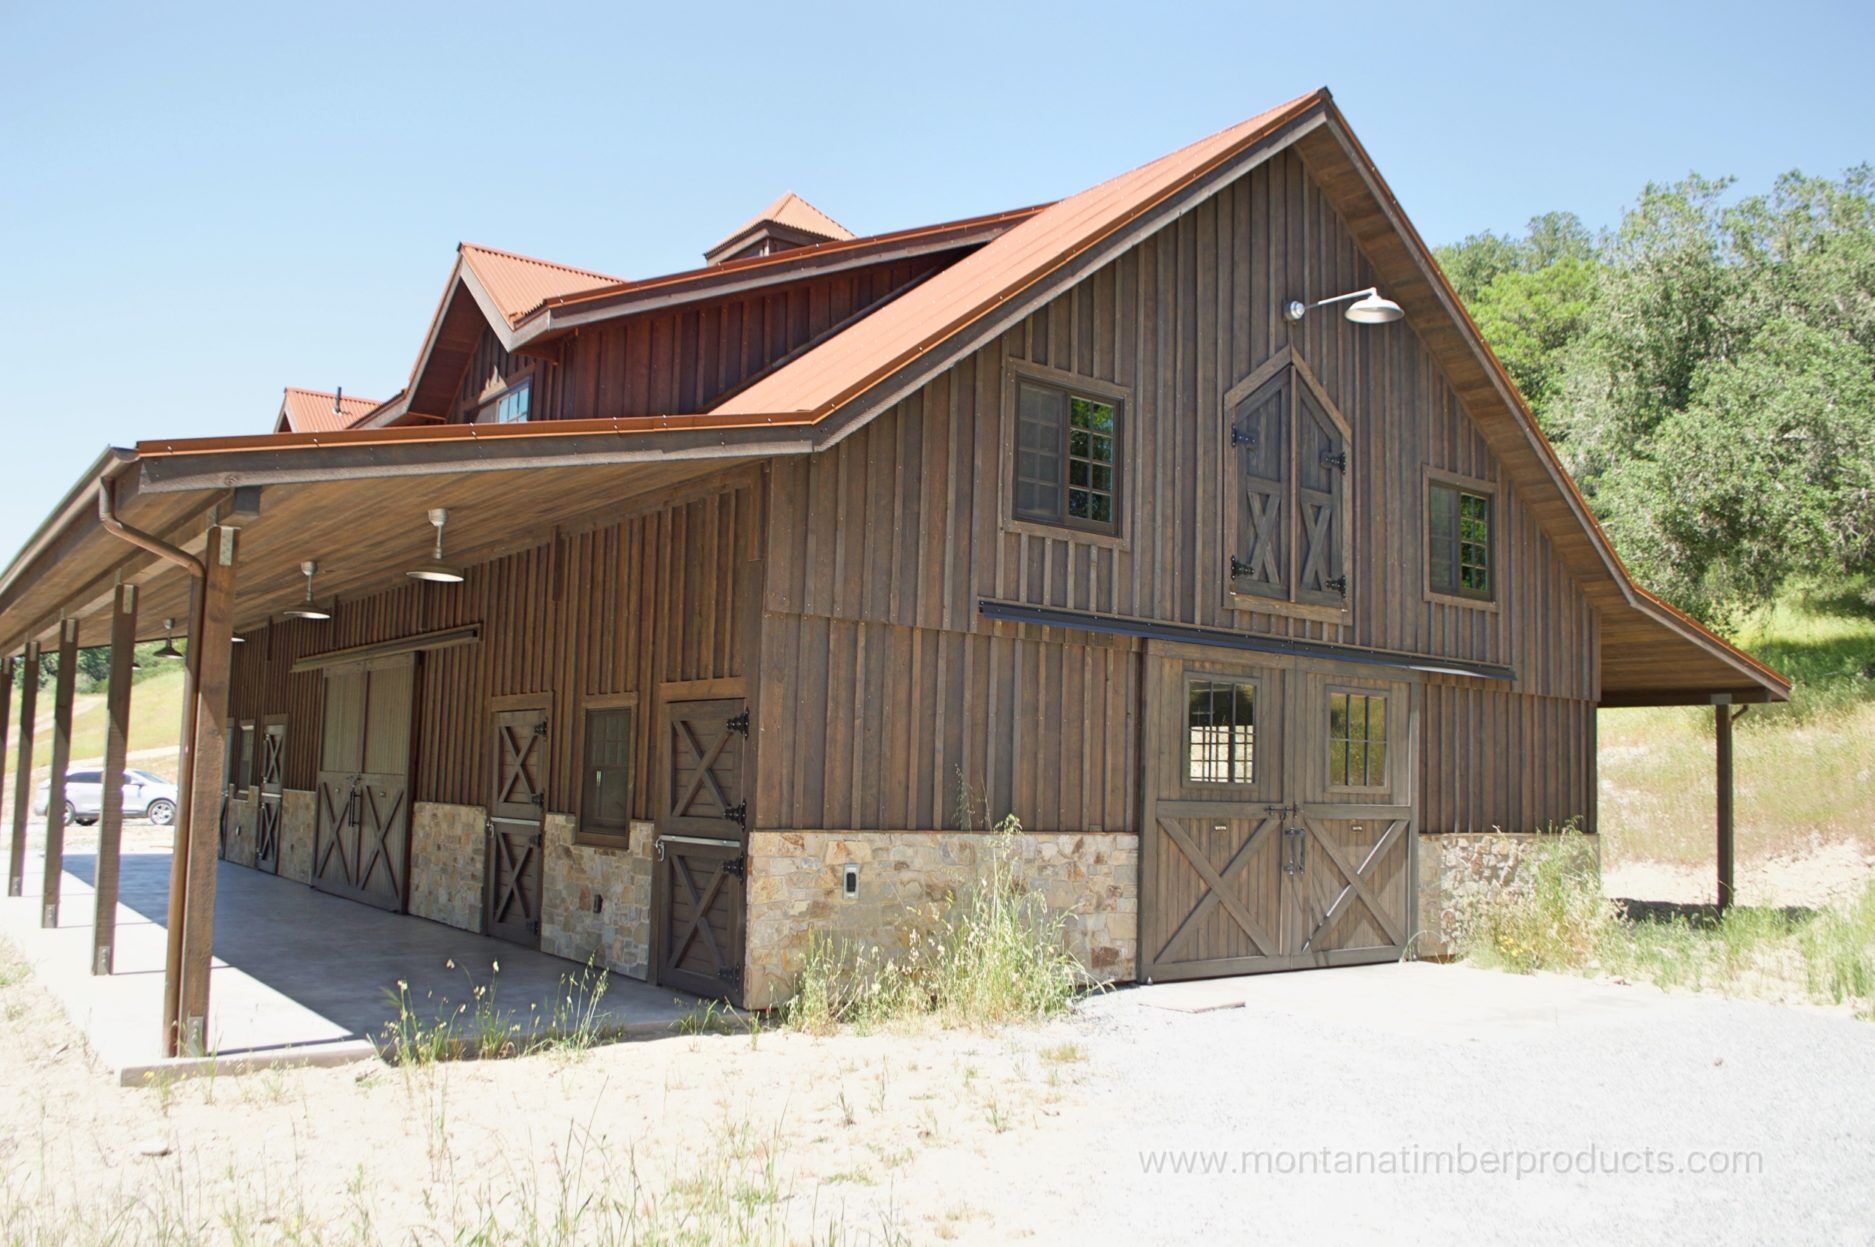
(361, 848)
(1279, 819)
(702, 832)
(511, 891)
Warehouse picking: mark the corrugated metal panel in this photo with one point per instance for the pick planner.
(519, 284)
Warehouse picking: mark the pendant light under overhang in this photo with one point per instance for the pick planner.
(307, 610)
(168, 648)
(436, 571)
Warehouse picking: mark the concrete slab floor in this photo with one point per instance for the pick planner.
(297, 975)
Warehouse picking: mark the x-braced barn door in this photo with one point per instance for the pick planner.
(511, 892)
(361, 844)
(1279, 822)
(702, 836)
(272, 763)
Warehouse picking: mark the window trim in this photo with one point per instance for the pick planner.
(1471, 485)
(1015, 372)
(1328, 738)
(1286, 358)
(607, 701)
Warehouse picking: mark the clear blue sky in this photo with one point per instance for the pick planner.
(205, 203)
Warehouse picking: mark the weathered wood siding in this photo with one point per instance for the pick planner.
(682, 360)
(901, 525)
(660, 596)
(1490, 758)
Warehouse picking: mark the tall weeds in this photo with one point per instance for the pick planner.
(996, 955)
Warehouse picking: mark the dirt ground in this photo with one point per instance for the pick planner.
(1081, 1131)
(1808, 876)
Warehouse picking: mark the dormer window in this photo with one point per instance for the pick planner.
(511, 406)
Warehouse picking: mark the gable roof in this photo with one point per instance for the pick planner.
(850, 362)
(320, 411)
(517, 284)
(797, 221)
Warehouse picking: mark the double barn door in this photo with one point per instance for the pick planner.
(1279, 818)
(361, 844)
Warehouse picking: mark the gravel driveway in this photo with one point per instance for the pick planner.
(1383, 1075)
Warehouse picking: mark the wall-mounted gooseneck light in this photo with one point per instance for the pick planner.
(307, 610)
(435, 570)
(1368, 308)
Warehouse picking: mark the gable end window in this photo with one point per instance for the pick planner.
(1067, 458)
(606, 776)
(511, 406)
(1458, 542)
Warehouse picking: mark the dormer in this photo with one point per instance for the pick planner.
(788, 222)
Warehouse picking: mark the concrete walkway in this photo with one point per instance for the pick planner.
(298, 975)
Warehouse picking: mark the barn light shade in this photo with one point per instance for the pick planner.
(1368, 307)
(436, 571)
(168, 648)
(307, 610)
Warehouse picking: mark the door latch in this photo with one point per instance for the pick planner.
(1295, 850)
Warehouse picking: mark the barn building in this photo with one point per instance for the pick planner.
(673, 620)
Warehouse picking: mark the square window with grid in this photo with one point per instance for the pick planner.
(1458, 542)
(1357, 740)
(1220, 732)
(511, 406)
(1067, 466)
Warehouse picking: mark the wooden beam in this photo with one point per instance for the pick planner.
(7, 667)
(62, 692)
(1722, 723)
(210, 653)
(116, 744)
(23, 775)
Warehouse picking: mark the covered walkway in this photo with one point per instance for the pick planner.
(298, 975)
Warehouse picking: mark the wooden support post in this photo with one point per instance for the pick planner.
(1722, 724)
(7, 667)
(62, 691)
(116, 744)
(211, 660)
(23, 776)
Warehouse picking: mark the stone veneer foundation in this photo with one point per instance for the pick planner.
(296, 834)
(576, 877)
(796, 881)
(1458, 868)
(447, 846)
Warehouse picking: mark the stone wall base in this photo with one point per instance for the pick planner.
(1455, 869)
(577, 877)
(296, 834)
(448, 844)
(796, 889)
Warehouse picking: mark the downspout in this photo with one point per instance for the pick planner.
(185, 767)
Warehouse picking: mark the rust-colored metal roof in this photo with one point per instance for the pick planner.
(518, 284)
(795, 213)
(848, 363)
(322, 411)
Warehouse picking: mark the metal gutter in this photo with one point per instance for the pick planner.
(1187, 634)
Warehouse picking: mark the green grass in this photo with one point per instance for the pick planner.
(1555, 918)
(155, 721)
(1804, 769)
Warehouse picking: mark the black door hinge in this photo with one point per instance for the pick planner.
(729, 974)
(540, 728)
(737, 866)
(738, 723)
(1336, 459)
(1339, 584)
(738, 814)
(537, 798)
(1238, 568)
(1240, 436)
(533, 928)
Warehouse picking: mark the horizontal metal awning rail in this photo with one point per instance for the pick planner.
(1219, 638)
(445, 638)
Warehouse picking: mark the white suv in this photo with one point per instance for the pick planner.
(145, 796)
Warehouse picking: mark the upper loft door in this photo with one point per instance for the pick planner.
(361, 846)
(511, 892)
